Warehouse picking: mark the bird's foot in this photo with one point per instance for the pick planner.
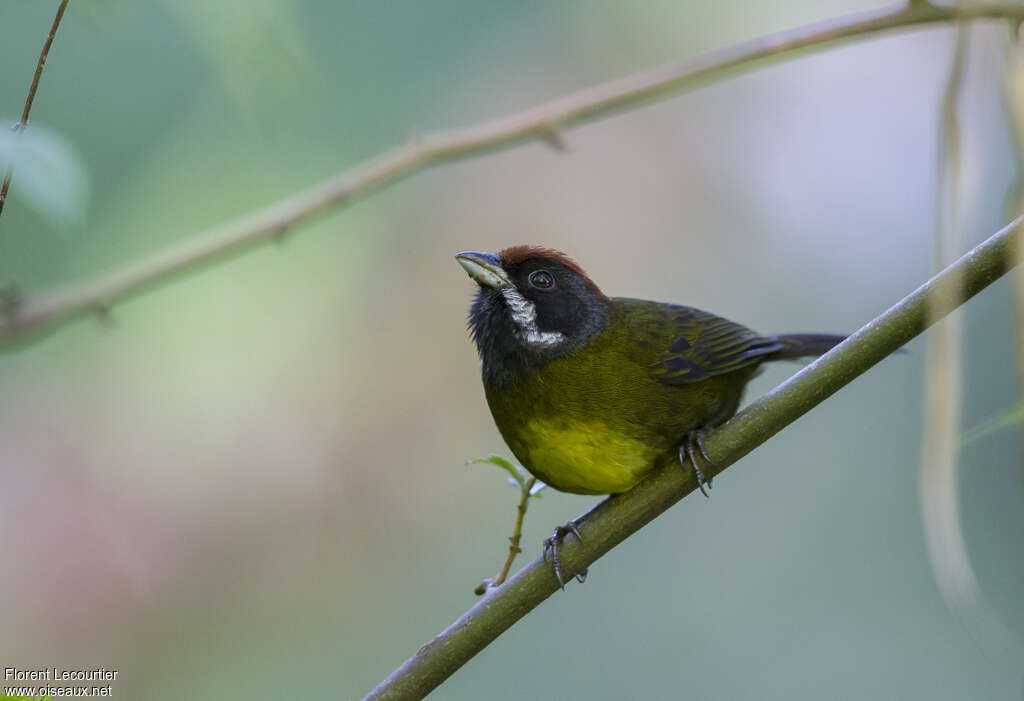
(688, 450)
(553, 547)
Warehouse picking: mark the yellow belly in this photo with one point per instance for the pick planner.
(586, 458)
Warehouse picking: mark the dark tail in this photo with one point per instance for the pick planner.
(800, 345)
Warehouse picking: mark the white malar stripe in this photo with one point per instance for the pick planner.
(524, 314)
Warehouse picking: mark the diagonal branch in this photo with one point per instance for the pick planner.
(24, 319)
(23, 122)
(615, 519)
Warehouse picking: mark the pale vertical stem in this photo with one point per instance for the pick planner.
(1013, 100)
(943, 396)
(943, 378)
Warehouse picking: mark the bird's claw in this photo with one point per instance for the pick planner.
(553, 546)
(688, 450)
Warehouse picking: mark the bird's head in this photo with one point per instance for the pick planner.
(534, 304)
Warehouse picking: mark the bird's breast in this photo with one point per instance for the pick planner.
(581, 456)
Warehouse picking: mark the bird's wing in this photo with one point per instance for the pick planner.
(704, 345)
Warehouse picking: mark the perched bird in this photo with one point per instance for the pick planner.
(592, 392)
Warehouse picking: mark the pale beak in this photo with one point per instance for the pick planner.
(485, 268)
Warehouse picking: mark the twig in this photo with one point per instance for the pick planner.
(513, 541)
(20, 126)
(615, 519)
(47, 310)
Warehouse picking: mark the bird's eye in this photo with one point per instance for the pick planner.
(542, 279)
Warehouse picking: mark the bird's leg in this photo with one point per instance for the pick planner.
(695, 442)
(553, 546)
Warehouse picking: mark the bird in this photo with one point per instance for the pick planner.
(590, 392)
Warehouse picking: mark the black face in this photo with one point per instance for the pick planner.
(548, 311)
(560, 296)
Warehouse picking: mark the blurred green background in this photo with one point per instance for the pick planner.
(251, 483)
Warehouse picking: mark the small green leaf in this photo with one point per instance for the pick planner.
(1004, 419)
(535, 489)
(517, 473)
(48, 174)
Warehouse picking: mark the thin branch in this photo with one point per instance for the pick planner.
(20, 126)
(38, 314)
(525, 494)
(615, 519)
